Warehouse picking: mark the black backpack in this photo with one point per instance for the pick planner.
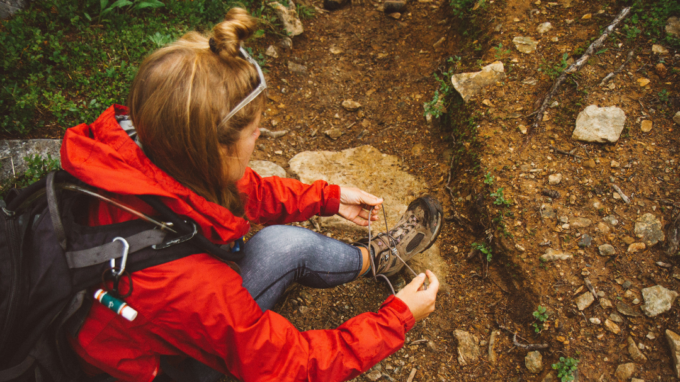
(49, 261)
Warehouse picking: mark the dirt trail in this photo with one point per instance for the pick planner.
(358, 53)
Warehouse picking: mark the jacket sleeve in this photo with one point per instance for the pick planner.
(274, 200)
(221, 325)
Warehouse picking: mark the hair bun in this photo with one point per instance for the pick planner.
(237, 26)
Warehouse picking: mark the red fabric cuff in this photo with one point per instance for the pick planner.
(404, 313)
(332, 202)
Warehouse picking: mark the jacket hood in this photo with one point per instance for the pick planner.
(102, 155)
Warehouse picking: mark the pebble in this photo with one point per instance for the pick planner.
(303, 309)
(636, 247)
(605, 303)
(626, 284)
(612, 327)
(585, 300)
(616, 318)
(676, 118)
(625, 371)
(286, 43)
(271, 52)
(351, 105)
(554, 179)
(525, 45)
(553, 255)
(661, 70)
(627, 310)
(468, 350)
(534, 362)
(601, 227)
(643, 82)
(615, 164)
(395, 15)
(581, 222)
(333, 133)
(587, 16)
(585, 241)
(547, 211)
(492, 345)
(297, 68)
(595, 321)
(544, 28)
(658, 300)
(659, 49)
(374, 375)
(649, 229)
(635, 353)
(606, 250)
(611, 219)
(674, 345)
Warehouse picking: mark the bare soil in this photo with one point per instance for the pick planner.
(386, 65)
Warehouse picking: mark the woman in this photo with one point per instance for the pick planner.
(196, 106)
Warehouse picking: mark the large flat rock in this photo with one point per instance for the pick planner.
(379, 174)
(599, 124)
(13, 152)
(471, 84)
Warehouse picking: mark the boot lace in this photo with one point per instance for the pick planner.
(391, 243)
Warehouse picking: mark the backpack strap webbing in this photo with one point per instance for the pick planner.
(112, 250)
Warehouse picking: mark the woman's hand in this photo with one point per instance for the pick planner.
(355, 204)
(419, 301)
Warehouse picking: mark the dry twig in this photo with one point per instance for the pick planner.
(612, 74)
(570, 153)
(576, 66)
(623, 196)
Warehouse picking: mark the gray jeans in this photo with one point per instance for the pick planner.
(279, 255)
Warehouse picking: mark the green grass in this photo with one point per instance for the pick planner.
(37, 167)
(648, 18)
(64, 61)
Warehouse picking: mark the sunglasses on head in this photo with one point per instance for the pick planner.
(256, 92)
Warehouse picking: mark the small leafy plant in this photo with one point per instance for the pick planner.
(663, 96)
(499, 52)
(484, 249)
(541, 317)
(488, 179)
(566, 368)
(500, 199)
(38, 167)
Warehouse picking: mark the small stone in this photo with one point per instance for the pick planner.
(333, 133)
(629, 295)
(643, 82)
(554, 179)
(297, 68)
(589, 163)
(651, 336)
(605, 303)
(585, 300)
(627, 310)
(587, 16)
(673, 28)
(286, 43)
(525, 44)
(550, 377)
(611, 220)
(523, 129)
(520, 248)
(303, 309)
(394, 15)
(628, 240)
(350, 105)
(585, 241)
(615, 164)
(468, 350)
(534, 362)
(606, 250)
(674, 344)
(676, 118)
(661, 70)
(616, 318)
(657, 300)
(374, 375)
(547, 211)
(599, 124)
(595, 321)
(637, 380)
(581, 222)
(626, 284)
(544, 28)
(649, 229)
(492, 345)
(612, 327)
(289, 18)
(531, 81)
(553, 255)
(335, 50)
(659, 49)
(271, 52)
(635, 353)
(625, 371)
(636, 247)
(471, 84)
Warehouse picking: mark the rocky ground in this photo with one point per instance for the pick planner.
(578, 214)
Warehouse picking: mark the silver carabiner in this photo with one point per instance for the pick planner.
(126, 249)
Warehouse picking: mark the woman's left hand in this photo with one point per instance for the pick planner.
(355, 204)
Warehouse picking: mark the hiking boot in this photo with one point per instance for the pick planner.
(415, 232)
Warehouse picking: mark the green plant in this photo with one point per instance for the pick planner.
(133, 5)
(499, 53)
(500, 198)
(484, 249)
(663, 96)
(38, 167)
(437, 106)
(488, 179)
(556, 69)
(566, 368)
(461, 8)
(304, 11)
(160, 40)
(541, 316)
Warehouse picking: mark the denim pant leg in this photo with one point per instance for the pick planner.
(279, 255)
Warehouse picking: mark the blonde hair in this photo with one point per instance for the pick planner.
(178, 101)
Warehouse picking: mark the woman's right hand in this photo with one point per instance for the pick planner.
(420, 302)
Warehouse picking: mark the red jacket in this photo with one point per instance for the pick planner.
(196, 306)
